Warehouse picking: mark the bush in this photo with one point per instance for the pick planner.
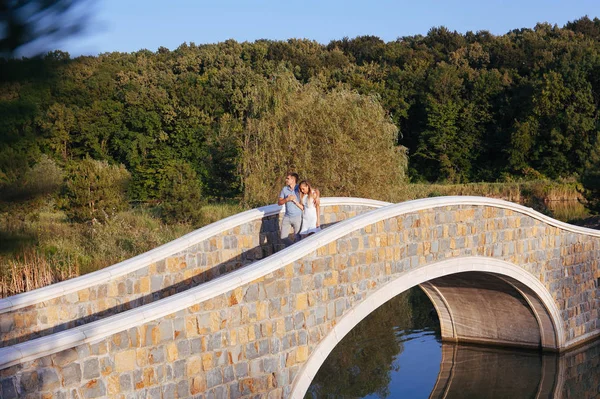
(180, 193)
(44, 178)
(95, 190)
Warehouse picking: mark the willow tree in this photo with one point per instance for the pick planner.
(343, 142)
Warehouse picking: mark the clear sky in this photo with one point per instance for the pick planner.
(131, 25)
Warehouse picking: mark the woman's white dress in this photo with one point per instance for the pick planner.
(309, 216)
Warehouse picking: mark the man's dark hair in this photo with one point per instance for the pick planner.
(294, 175)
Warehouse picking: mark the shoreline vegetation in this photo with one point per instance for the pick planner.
(39, 245)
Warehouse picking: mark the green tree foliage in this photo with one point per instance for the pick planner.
(42, 179)
(95, 190)
(334, 138)
(466, 107)
(180, 193)
(591, 182)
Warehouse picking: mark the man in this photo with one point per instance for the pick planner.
(290, 197)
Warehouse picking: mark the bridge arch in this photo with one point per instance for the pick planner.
(551, 335)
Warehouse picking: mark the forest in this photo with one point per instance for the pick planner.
(223, 123)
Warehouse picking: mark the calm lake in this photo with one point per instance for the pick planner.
(396, 352)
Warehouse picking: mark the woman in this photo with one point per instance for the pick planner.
(310, 200)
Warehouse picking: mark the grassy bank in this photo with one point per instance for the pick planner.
(40, 246)
(560, 200)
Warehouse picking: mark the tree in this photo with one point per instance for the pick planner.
(445, 147)
(180, 193)
(38, 24)
(342, 141)
(45, 178)
(59, 124)
(591, 181)
(95, 190)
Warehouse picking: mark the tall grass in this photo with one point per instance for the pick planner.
(42, 247)
(519, 192)
(31, 270)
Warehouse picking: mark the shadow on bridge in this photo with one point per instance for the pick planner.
(270, 244)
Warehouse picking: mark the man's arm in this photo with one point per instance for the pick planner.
(289, 198)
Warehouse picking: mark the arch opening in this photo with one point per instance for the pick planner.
(510, 284)
(484, 308)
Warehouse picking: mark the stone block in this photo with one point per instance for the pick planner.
(125, 382)
(120, 341)
(165, 328)
(154, 393)
(256, 367)
(65, 357)
(301, 354)
(94, 389)
(195, 346)
(172, 352)
(125, 361)
(134, 337)
(29, 381)
(8, 388)
(48, 380)
(217, 393)
(214, 377)
(194, 366)
(113, 386)
(71, 375)
(169, 391)
(228, 374)
(178, 369)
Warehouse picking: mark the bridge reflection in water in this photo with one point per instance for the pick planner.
(478, 372)
(397, 352)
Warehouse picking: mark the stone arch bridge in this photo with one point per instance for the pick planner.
(222, 313)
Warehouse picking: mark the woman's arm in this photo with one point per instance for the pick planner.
(298, 203)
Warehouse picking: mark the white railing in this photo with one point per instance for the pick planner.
(97, 330)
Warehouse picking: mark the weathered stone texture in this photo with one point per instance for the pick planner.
(252, 341)
(199, 263)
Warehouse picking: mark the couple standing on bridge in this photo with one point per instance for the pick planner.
(301, 209)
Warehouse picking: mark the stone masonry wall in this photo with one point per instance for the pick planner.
(202, 262)
(252, 341)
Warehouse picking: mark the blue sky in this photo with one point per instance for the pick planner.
(131, 25)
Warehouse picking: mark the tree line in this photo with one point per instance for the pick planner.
(218, 121)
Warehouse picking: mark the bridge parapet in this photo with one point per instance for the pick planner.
(193, 259)
(264, 330)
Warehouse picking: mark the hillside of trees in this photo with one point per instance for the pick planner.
(218, 117)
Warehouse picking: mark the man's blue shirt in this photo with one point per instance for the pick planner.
(291, 209)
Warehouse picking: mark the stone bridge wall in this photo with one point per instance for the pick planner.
(253, 336)
(158, 274)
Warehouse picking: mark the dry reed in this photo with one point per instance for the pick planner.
(32, 270)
